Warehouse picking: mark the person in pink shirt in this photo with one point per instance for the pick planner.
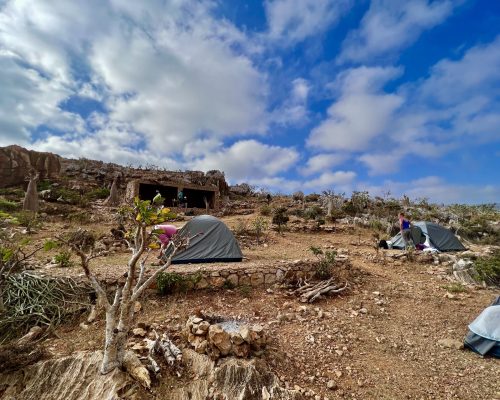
(167, 231)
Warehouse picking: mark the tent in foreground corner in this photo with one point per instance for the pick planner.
(484, 331)
(213, 242)
(433, 235)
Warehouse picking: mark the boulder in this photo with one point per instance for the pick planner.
(220, 338)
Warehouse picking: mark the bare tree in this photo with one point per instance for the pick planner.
(31, 197)
(120, 312)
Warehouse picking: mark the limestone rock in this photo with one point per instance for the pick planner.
(220, 338)
(75, 377)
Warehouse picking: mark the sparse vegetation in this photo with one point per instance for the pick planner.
(266, 210)
(488, 269)
(8, 206)
(280, 218)
(172, 282)
(63, 259)
(455, 287)
(326, 262)
(260, 226)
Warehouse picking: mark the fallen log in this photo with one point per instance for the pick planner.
(310, 293)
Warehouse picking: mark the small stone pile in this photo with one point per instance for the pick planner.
(228, 338)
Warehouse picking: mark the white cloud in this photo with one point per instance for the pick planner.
(292, 21)
(294, 109)
(438, 190)
(390, 25)
(168, 72)
(27, 100)
(322, 162)
(456, 106)
(248, 160)
(328, 179)
(383, 163)
(361, 113)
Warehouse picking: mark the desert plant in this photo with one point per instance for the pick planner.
(456, 287)
(259, 226)
(313, 212)
(30, 202)
(8, 206)
(326, 262)
(97, 193)
(487, 269)
(30, 220)
(241, 227)
(312, 197)
(280, 218)
(63, 259)
(120, 312)
(266, 210)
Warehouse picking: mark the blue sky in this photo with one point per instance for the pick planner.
(381, 95)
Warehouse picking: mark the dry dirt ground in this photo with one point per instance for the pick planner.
(378, 341)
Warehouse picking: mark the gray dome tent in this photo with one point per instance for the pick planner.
(484, 332)
(214, 242)
(435, 235)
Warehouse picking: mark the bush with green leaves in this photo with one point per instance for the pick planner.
(324, 270)
(43, 185)
(30, 220)
(172, 282)
(280, 218)
(266, 210)
(8, 206)
(487, 269)
(63, 259)
(312, 197)
(313, 212)
(259, 225)
(98, 193)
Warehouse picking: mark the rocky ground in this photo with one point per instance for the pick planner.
(396, 334)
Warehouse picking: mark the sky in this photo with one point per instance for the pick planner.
(388, 96)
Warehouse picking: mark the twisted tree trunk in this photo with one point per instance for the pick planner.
(113, 199)
(30, 202)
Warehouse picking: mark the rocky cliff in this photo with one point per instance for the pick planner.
(16, 162)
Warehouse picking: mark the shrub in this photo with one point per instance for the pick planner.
(376, 225)
(311, 198)
(280, 218)
(456, 287)
(349, 208)
(29, 219)
(313, 212)
(81, 217)
(326, 261)
(259, 226)
(99, 193)
(43, 185)
(241, 227)
(8, 206)
(265, 210)
(68, 195)
(298, 196)
(488, 269)
(170, 282)
(63, 259)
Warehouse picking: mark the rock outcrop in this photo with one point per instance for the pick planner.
(231, 379)
(75, 377)
(16, 163)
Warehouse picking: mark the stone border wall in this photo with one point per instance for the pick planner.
(248, 274)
